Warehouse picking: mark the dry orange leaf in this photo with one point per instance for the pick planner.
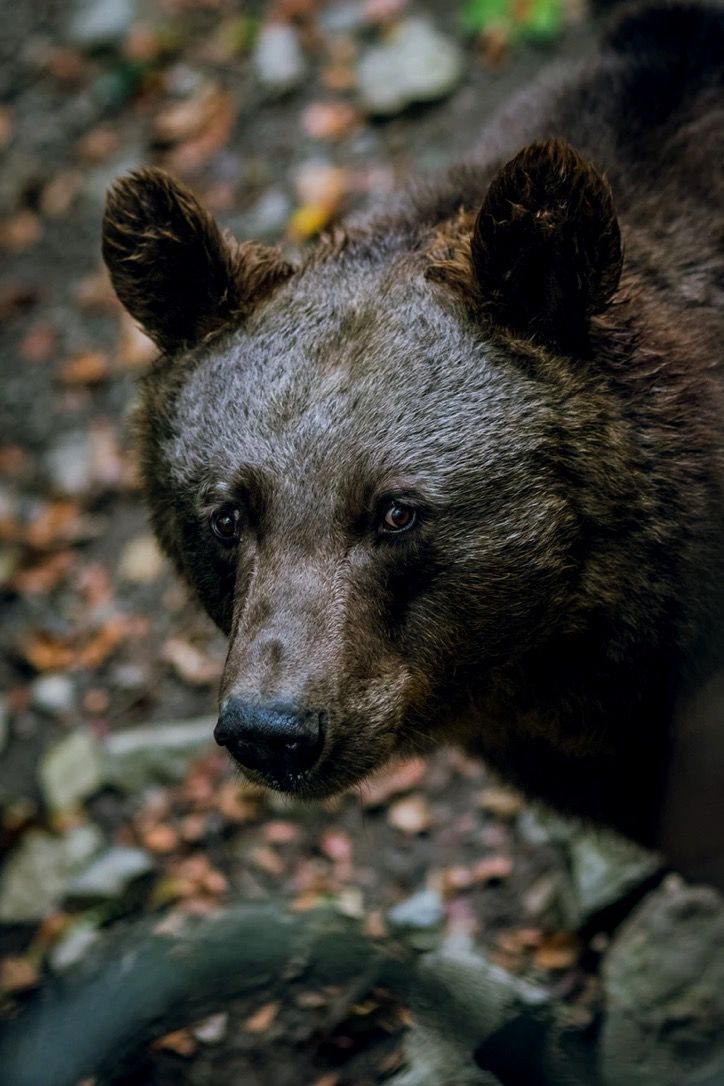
(135, 349)
(84, 368)
(401, 777)
(180, 1041)
(43, 576)
(38, 343)
(558, 951)
(17, 973)
(492, 868)
(261, 1020)
(160, 838)
(330, 120)
(207, 122)
(501, 802)
(49, 652)
(190, 663)
(18, 232)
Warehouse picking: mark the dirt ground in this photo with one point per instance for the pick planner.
(89, 604)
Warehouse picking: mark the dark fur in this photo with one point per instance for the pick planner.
(476, 348)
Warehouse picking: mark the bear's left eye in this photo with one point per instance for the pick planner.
(226, 524)
(397, 517)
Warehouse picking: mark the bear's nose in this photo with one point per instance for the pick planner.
(279, 741)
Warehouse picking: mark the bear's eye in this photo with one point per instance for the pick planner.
(397, 517)
(226, 523)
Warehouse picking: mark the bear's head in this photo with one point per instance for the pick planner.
(364, 464)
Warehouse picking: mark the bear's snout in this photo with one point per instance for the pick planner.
(280, 742)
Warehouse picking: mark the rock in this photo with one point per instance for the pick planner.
(416, 63)
(663, 981)
(73, 944)
(423, 910)
(111, 873)
(35, 876)
(135, 758)
(70, 771)
(345, 17)
(605, 867)
(141, 561)
(101, 22)
(69, 464)
(459, 998)
(53, 693)
(267, 218)
(278, 59)
(212, 1030)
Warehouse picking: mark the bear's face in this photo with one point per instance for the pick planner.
(357, 469)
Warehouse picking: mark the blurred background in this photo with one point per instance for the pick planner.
(114, 803)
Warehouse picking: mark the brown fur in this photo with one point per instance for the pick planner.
(480, 350)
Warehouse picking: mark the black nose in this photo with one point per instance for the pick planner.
(279, 741)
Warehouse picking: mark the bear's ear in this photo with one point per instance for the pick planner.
(171, 266)
(546, 245)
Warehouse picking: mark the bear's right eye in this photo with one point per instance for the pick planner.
(226, 524)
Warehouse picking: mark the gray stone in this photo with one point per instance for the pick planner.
(278, 59)
(416, 63)
(135, 758)
(101, 22)
(423, 910)
(346, 17)
(70, 771)
(605, 867)
(109, 874)
(73, 944)
(69, 464)
(36, 875)
(53, 693)
(663, 982)
(459, 998)
(267, 218)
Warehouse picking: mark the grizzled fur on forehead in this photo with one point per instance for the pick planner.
(351, 368)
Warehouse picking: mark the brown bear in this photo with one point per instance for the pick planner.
(459, 476)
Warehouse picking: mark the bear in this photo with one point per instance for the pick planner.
(457, 476)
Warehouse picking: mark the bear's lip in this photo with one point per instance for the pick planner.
(313, 783)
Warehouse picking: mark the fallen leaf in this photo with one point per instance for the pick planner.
(337, 846)
(180, 1041)
(492, 869)
(279, 832)
(39, 342)
(84, 368)
(330, 120)
(44, 575)
(199, 127)
(411, 815)
(18, 232)
(160, 838)
(190, 663)
(6, 127)
(141, 561)
(60, 193)
(267, 860)
(17, 973)
(135, 349)
(46, 651)
(558, 951)
(501, 802)
(261, 1020)
(98, 144)
(401, 777)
